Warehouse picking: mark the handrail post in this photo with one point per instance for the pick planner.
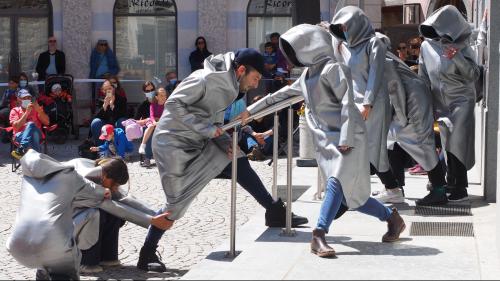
(320, 183)
(275, 155)
(289, 231)
(234, 174)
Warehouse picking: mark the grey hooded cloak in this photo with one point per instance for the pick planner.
(365, 54)
(187, 156)
(58, 213)
(412, 121)
(452, 80)
(331, 113)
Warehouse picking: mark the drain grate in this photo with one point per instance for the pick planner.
(461, 229)
(446, 210)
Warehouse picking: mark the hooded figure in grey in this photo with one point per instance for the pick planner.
(338, 131)
(58, 214)
(452, 81)
(365, 54)
(187, 155)
(412, 121)
(331, 113)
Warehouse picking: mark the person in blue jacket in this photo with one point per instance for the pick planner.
(116, 143)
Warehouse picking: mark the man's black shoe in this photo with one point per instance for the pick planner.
(433, 199)
(458, 195)
(149, 261)
(276, 216)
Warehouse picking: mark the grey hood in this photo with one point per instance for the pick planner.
(307, 45)
(446, 22)
(358, 26)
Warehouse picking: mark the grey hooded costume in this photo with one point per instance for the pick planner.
(452, 80)
(331, 113)
(365, 54)
(412, 124)
(186, 155)
(54, 221)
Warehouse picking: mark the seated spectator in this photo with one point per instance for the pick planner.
(172, 81)
(112, 112)
(115, 83)
(115, 143)
(142, 118)
(24, 84)
(27, 121)
(7, 103)
(270, 58)
(259, 140)
(57, 104)
(51, 61)
(156, 110)
(198, 56)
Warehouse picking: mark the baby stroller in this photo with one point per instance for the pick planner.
(59, 107)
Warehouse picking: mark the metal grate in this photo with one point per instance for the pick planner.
(445, 210)
(462, 229)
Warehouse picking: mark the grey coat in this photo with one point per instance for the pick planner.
(331, 113)
(58, 214)
(412, 124)
(364, 53)
(452, 81)
(186, 154)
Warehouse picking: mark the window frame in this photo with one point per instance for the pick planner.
(159, 14)
(264, 15)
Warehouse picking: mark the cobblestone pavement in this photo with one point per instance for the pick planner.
(192, 238)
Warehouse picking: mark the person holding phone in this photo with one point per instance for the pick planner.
(27, 120)
(113, 111)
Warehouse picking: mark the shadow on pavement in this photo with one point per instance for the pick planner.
(130, 272)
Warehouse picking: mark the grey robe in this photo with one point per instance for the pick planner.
(331, 113)
(364, 53)
(58, 216)
(452, 81)
(186, 155)
(412, 125)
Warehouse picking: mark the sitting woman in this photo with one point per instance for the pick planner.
(156, 110)
(142, 117)
(57, 216)
(113, 112)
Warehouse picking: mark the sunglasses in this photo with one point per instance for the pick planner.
(52, 41)
(201, 43)
(103, 44)
(415, 46)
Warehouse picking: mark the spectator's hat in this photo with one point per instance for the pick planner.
(106, 130)
(251, 57)
(56, 86)
(23, 93)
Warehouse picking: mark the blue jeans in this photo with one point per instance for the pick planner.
(267, 148)
(246, 177)
(333, 199)
(96, 126)
(30, 137)
(149, 148)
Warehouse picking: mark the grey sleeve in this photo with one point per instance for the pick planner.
(274, 98)
(126, 212)
(188, 93)
(376, 73)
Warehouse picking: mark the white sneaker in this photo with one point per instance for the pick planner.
(90, 269)
(110, 263)
(394, 196)
(142, 148)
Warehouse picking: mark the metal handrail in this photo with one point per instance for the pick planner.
(270, 110)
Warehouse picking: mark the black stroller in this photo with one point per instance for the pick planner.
(59, 109)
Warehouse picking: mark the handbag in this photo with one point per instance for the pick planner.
(84, 150)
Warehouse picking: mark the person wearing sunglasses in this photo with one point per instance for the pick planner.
(52, 61)
(198, 56)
